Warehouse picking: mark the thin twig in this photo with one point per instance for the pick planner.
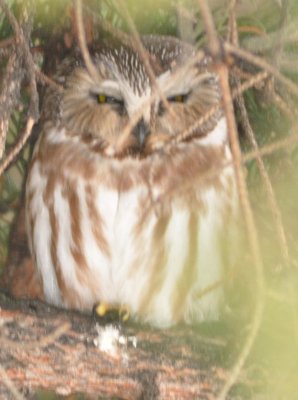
(47, 80)
(246, 157)
(49, 339)
(215, 50)
(154, 96)
(290, 112)
(12, 20)
(277, 218)
(252, 234)
(139, 47)
(266, 41)
(271, 148)
(277, 49)
(10, 95)
(82, 41)
(253, 81)
(232, 36)
(42, 342)
(10, 385)
(213, 42)
(107, 26)
(18, 147)
(261, 63)
(7, 42)
(93, 72)
(21, 42)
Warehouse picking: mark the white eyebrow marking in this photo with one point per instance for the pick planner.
(110, 88)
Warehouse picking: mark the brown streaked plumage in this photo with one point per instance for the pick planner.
(133, 222)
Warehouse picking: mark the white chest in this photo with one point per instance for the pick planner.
(118, 247)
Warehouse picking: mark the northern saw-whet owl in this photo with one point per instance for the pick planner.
(133, 220)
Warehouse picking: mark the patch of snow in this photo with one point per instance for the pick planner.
(109, 340)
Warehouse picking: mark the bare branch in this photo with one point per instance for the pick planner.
(253, 81)
(223, 73)
(47, 80)
(272, 148)
(82, 41)
(277, 218)
(7, 42)
(131, 366)
(18, 147)
(10, 385)
(137, 43)
(10, 94)
(23, 55)
(261, 63)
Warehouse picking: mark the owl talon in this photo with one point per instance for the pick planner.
(107, 311)
(124, 313)
(101, 309)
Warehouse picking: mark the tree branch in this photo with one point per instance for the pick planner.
(43, 347)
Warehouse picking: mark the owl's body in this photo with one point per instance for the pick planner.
(142, 227)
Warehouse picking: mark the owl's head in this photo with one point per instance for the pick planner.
(124, 97)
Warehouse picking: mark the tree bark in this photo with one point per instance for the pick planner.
(43, 347)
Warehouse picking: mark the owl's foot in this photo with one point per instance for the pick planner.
(110, 312)
(124, 313)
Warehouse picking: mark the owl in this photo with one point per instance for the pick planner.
(123, 209)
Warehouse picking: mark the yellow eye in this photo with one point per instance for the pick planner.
(102, 98)
(179, 98)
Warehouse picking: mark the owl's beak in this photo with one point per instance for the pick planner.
(141, 131)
